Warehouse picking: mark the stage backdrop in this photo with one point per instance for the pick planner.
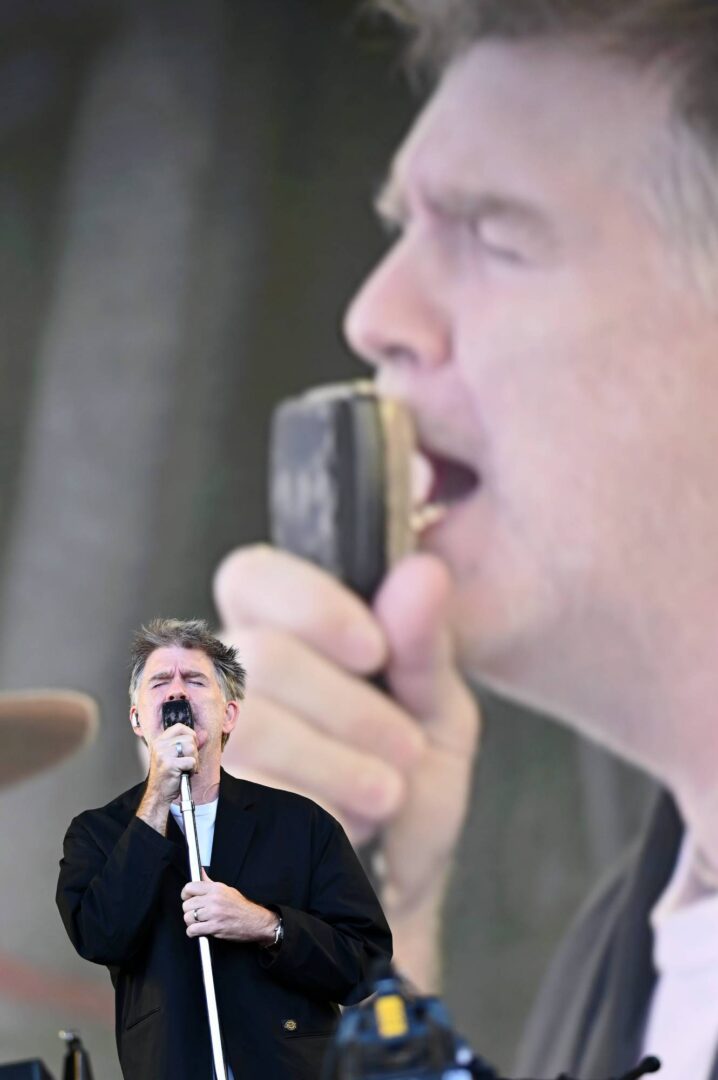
(184, 201)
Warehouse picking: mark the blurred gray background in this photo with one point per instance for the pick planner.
(185, 191)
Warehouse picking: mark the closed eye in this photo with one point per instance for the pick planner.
(503, 252)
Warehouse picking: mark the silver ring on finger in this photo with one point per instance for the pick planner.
(179, 749)
(196, 915)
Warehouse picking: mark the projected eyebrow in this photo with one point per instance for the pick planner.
(454, 204)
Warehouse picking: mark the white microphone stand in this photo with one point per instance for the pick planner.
(190, 828)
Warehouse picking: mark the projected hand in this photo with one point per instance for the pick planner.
(398, 767)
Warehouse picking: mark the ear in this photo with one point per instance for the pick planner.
(135, 722)
(231, 715)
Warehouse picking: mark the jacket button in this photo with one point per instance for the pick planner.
(290, 1025)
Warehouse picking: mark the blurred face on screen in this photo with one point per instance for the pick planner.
(562, 369)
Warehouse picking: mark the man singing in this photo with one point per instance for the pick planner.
(293, 921)
(548, 313)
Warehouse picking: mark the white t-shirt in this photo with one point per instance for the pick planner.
(682, 1028)
(205, 816)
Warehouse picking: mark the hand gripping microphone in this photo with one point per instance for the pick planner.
(340, 496)
(179, 711)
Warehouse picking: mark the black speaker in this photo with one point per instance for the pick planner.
(24, 1070)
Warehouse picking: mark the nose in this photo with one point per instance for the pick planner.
(399, 315)
(178, 695)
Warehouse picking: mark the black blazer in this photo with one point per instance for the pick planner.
(119, 897)
(591, 1012)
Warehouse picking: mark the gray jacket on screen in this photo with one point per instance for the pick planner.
(590, 1014)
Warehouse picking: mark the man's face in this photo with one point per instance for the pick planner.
(174, 672)
(533, 316)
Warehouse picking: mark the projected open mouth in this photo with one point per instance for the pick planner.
(438, 484)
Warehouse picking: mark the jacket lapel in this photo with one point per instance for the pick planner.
(613, 1044)
(180, 859)
(234, 829)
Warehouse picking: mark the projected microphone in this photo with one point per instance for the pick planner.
(340, 491)
(179, 711)
(340, 482)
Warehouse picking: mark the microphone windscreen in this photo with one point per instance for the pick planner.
(177, 711)
(339, 482)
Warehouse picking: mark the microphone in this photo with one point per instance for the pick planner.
(340, 483)
(648, 1065)
(177, 711)
(340, 490)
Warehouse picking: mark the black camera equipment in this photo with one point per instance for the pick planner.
(400, 1035)
(33, 1069)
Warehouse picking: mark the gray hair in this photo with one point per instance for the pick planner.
(681, 36)
(187, 634)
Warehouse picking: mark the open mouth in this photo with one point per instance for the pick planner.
(438, 484)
